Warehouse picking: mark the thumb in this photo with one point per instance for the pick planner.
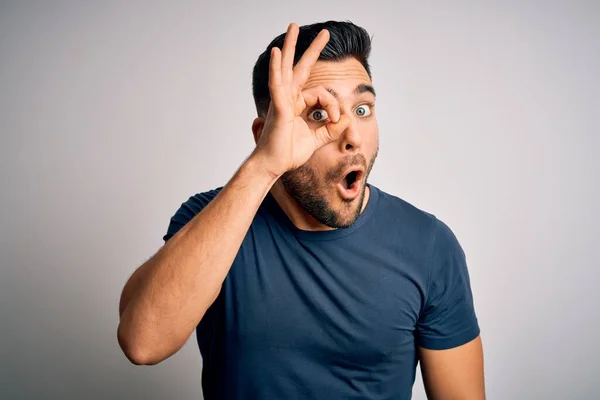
(331, 131)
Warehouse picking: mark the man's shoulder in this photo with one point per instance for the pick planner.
(189, 209)
(200, 200)
(398, 209)
(416, 219)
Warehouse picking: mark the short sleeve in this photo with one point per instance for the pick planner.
(448, 316)
(188, 210)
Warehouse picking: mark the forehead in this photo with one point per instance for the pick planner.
(342, 76)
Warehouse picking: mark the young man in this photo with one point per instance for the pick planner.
(300, 279)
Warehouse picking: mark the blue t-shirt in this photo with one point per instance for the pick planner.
(333, 314)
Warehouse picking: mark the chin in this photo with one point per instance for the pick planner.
(332, 205)
(348, 211)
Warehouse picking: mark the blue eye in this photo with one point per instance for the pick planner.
(319, 115)
(361, 113)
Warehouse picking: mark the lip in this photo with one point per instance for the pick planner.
(352, 192)
(356, 168)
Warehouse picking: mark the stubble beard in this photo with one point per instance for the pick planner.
(311, 192)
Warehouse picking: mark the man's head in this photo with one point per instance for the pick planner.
(344, 71)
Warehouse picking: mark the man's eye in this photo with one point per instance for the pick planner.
(364, 110)
(318, 115)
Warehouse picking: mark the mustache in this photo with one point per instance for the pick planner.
(355, 160)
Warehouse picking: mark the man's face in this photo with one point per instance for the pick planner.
(322, 186)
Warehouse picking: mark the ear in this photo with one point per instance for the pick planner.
(257, 126)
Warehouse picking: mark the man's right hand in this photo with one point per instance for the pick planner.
(287, 141)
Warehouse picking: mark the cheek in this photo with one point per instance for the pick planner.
(321, 156)
(308, 173)
(370, 139)
(371, 144)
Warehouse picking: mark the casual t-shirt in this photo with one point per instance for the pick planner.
(334, 314)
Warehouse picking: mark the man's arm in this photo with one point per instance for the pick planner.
(164, 300)
(454, 374)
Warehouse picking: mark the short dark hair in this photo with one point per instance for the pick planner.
(345, 40)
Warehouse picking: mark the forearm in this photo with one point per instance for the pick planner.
(167, 297)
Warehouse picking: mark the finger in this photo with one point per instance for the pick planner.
(275, 67)
(289, 49)
(275, 74)
(310, 57)
(331, 131)
(319, 95)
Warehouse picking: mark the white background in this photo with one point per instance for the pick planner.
(114, 113)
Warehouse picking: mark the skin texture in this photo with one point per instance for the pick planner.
(308, 194)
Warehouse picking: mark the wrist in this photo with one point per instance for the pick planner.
(258, 166)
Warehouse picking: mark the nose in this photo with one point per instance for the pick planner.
(350, 139)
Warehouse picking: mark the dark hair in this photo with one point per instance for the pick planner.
(345, 40)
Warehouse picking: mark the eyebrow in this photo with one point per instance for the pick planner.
(360, 89)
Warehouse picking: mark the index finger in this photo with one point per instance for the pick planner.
(310, 57)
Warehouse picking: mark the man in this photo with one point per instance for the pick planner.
(300, 279)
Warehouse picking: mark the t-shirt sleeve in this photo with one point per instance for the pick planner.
(448, 317)
(188, 210)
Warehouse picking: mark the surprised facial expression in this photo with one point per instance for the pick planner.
(330, 186)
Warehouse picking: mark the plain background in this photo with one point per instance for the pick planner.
(114, 113)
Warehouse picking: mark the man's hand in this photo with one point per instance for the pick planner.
(287, 141)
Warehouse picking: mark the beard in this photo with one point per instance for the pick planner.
(314, 193)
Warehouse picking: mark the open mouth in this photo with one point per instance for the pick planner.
(351, 179)
(350, 184)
